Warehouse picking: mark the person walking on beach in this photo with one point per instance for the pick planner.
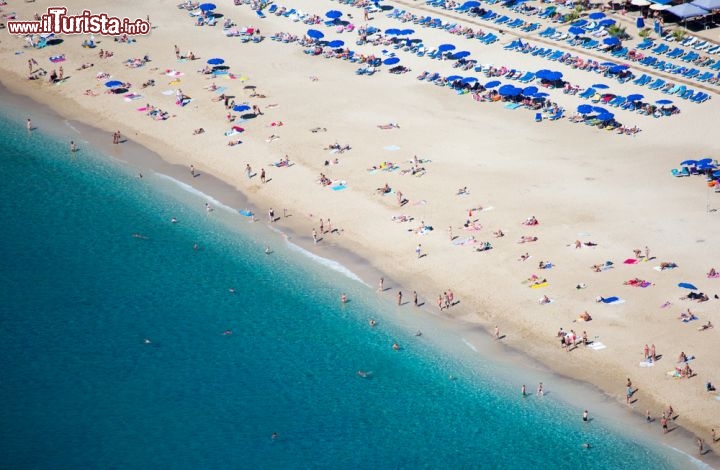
(450, 232)
(248, 171)
(381, 288)
(322, 226)
(664, 423)
(271, 215)
(329, 226)
(314, 235)
(629, 393)
(177, 52)
(497, 332)
(399, 297)
(415, 300)
(700, 444)
(192, 171)
(418, 250)
(262, 175)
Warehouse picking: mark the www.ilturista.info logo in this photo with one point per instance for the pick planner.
(59, 22)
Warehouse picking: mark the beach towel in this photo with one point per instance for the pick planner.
(596, 346)
(391, 148)
(714, 276)
(463, 241)
(537, 286)
(647, 363)
(512, 105)
(132, 96)
(57, 58)
(231, 132)
(184, 101)
(631, 261)
(220, 90)
(339, 187)
(245, 212)
(144, 108)
(174, 73)
(612, 300)
(220, 72)
(688, 320)
(485, 209)
(174, 82)
(673, 373)
(168, 92)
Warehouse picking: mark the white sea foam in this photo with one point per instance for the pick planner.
(67, 123)
(469, 345)
(214, 202)
(334, 265)
(695, 462)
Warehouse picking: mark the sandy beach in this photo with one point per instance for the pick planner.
(596, 195)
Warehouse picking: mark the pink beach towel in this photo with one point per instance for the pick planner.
(631, 261)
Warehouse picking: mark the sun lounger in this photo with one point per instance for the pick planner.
(658, 83)
(587, 94)
(646, 44)
(704, 77)
(547, 32)
(557, 115)
(661, 49)
(527, 78)
(687, 95)
(260, 14)
(699, 45)
(617, 101)
(591, 44)
(649, 61)
(675, 53)
(555, 55)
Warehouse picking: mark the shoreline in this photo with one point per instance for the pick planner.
(530, 337)
(568, 388)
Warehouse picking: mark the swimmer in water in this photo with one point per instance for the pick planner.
(138, 235)
(147, 341)
(396, 347)
(267, 250)
(372, 322)
(363, 374)
(418, 333)
(232, 290)
(227, 332)
(343, 298)
(196, 247)
(274, 436)
(586, 445)
(173, 220)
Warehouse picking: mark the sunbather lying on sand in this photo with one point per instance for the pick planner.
(712, 273)
(84, 66)
(531, 221)
(315, 130)
(391, 125)
(585, 316)
(706, 326)
(544, 300)
(384, 190)
(90, 93)
(233, 143)
(484, 246)
(498, 233)
(527, 238)
(667, 265)
(199, 130)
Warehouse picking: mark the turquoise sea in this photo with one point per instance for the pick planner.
(81, 388)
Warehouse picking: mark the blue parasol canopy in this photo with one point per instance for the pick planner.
(470, 4)
(705, 161)
(241, 107)
(580, 23)
(584, 109)
(208, 6)
(599, 109)
(460, 55)
(113, 83)
(452, 78)
(446, 47)
(530, 90)
(315, 34)
(597, 15)
(406, 32)
(600, 86)
(689, 163)
(576, 30)
(333, 14)
(393, 31)
(608, 64)
(336, 43)
(216, 61)
(611, 41)
(541, 95)
(607, 22)
(635, 97)
(662, 102)
(391, 60)
(469, 80)
(492, 84)
(687, 285)
(618, 68)
(605, 116)
(509, 90)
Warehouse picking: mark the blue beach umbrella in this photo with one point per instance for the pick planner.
(391, 61)
(241, 107)
(605, 116)
(662, 102)
(392, 31)
(492, 84)
(469, 80)
(635, 97)
(611, 41)
(689, 163)
(470, 4)
(113, 83)
(580, 23)
(216, 61)
(336, 43)
(554, 76)
(207, 6)
(608, 64)
(705, 161)
(509, 90)
(618, 68)
(599, 109)
(541, 95)
(585, 109)
(597, 15)
(687, 285)
(460, 55)
(452, 78)
(531, 90)
(607, 22)
(600, 86)
(333, 14)
(406, 32)
(315, 34)
(576, 30)
(446, 47)
(716, 174)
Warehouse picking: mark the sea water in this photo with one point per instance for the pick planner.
(123, 345)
